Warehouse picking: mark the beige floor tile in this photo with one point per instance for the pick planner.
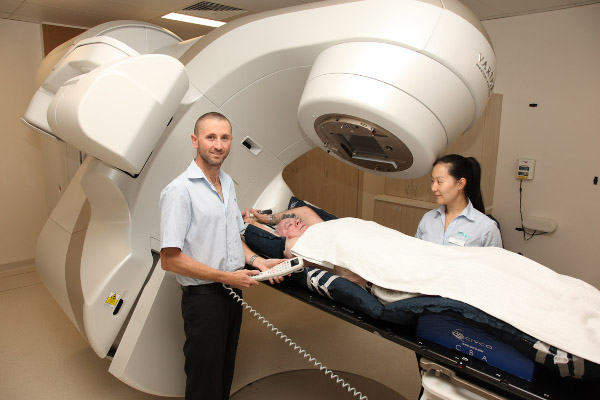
(16, 271)
(314, 385)
(20, 280)
(45, 357)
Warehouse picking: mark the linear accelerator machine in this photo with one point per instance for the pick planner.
(381, 85)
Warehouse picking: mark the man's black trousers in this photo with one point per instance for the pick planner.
(212, 320)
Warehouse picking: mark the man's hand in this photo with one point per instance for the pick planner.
(264, 264)
(240, 279)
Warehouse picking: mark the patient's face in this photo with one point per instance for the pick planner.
(291, 228)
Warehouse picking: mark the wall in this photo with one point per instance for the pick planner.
(22, 203)
(551, 59)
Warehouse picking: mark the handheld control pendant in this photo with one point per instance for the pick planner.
(284, 268)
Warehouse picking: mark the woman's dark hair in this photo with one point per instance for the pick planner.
(468, 168)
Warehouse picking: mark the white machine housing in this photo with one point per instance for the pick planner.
(385, 93)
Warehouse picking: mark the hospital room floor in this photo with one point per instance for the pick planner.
(45, 357)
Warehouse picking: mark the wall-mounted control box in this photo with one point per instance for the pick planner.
(525, 168)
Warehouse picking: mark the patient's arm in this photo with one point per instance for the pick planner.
(347, 274)
(253, 221)
(337, 270)
(304, 213)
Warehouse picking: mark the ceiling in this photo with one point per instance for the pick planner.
(88, 13)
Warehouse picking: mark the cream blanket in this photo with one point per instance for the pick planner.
(557, 309)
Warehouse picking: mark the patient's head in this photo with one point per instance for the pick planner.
(291, 228)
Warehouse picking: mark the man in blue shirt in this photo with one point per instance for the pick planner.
(200, 242)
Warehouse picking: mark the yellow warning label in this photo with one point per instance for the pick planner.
(112, 299)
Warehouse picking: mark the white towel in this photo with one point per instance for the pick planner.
(556, 309)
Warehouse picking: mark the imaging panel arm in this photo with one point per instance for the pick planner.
(82, 58)
(117, 112)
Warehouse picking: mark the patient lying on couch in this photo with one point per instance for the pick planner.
(490, 286)
(290, 225)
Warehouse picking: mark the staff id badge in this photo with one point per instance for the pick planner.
(456, 241)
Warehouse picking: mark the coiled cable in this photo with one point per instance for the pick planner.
(296, 347)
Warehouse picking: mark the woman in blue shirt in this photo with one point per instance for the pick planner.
(460, 220)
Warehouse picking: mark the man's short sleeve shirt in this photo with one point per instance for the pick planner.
(196, 220)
